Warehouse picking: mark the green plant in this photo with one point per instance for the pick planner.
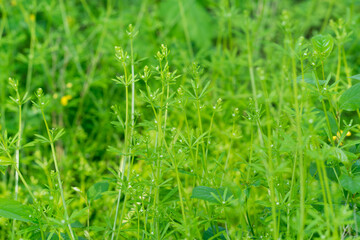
(227, 120)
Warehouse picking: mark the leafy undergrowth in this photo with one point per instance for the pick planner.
(179, 119)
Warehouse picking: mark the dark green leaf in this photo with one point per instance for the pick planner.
(169, 195)
(211, 194)
(77, 224)
(215, 234)
(350, 183)
(96, 190)
(355, 168)
(64, 236)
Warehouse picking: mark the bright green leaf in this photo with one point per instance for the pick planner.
(350, 99)
(5, 161)
(15, 210)
(323, 45)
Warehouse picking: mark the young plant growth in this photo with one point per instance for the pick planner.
(179, 119)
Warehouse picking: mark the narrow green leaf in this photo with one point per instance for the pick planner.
(59, 134)
(350, 99)
(41, 139)
(357, 77)
(5, 161)
(170, 195)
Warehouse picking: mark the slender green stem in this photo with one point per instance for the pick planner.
(347, 70)
(299, 151)
(338, 66)
(204, 162)
(252, 78)
(18, 145)
(209, 135)
(17, 154)
(58, 176)
(125, 158)
(329, 131)
(229, 152)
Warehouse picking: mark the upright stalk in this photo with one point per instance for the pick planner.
(17, 156)
(124, 159)
(338, 66)
(324, 106)
(58, 175)
(252, 78)
(17, 152)
(132, 96)
(299, 151)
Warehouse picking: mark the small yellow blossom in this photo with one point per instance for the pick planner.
(13, 3)
(32, 17)
(65, 100)
(69, 85)
(55, 96)
(70, 20)
(338, 135)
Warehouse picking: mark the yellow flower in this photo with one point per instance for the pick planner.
(69, 85)
(65, 100)
(32, 17)
(338, 135)
(71, 21)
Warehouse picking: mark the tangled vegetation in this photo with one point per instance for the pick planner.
(179, 119)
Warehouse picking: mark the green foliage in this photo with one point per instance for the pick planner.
(179, 119)
(350, 183)
(95, 191)
(4, 161)
(219, 196)
(323, 45)
(15, 210)
(350, 99)
(214, 233)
